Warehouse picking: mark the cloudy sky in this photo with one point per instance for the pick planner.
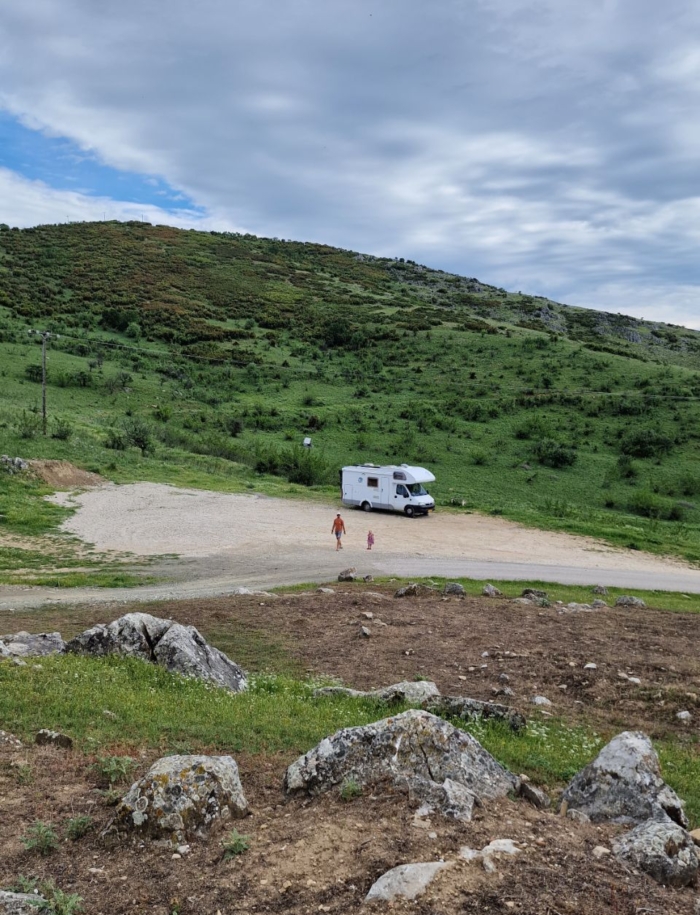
(541, 145)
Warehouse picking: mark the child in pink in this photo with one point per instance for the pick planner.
(370, 540)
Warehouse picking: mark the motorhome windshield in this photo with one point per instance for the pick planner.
(416, 489)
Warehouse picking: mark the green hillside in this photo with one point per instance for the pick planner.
(205, 358)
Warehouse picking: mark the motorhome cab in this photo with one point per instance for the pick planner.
(395, 488)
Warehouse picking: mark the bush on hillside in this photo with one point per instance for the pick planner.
(553, 454)
(645, 443)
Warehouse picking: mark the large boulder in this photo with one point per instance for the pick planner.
(623, 784)
(26, 645)
(661, 849)
(470, 709)
(20, 903)
(415, 750)
(181, 796)
(411, 691)
(180, 649)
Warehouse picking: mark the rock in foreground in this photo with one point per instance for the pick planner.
(470, 709)
(623, 784)
(406, 880)
(181, 796)
(415, 750)
(661, 849)
(180, 649)
(20, 903)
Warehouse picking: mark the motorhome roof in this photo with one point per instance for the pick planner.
(419, 474)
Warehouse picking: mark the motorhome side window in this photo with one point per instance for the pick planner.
(373, 481)
(398, 475)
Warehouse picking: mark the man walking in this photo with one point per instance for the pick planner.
(338, 529)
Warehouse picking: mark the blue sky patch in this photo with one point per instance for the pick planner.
(62, 165)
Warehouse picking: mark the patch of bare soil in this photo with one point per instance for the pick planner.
(322, 854)
(319, 855)
(64, 475)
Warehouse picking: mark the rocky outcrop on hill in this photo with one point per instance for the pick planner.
(180, 797)
(415, 750)
(623, 784)
(180, 649)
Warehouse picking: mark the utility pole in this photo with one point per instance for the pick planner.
(45, 337)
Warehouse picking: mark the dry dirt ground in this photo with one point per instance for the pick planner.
(321, 855)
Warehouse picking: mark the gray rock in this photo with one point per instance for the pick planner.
(623, 784)
(368, 578)
(535, 796)
(181, 796)
(450, 798)
(541, 701)
(365, 632)
(599, 589)
(599, 605)
(683, 716)
(661, 849)
(490, 591)
(454, 588)
(20, 903)
(534, 594)
(9, 740)
(347, 575)
(47, 738)
(627, 601)
(25, 645)
(410, 590)
(133, 635)
(406, 880)
(414, 691)
(459, 707)
(412, 749)
(325, 590)
(182, 650)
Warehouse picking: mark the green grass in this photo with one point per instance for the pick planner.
(157, 710)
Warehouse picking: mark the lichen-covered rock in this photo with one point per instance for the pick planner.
(133, 635)
(26, 645)
(47, 738)
(411, 691)
(182, 650)
(460, 707)
(661, 849)
(347, 574)
(623, 784)
(407, 881)
(454, 588)
(20, 903)
(414, 590)
(450, 798)
(490, 590)
(534, 594)
(414, 749)
(626, 600)
(181, 796)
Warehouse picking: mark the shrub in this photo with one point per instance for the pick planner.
(40, 838)
(114, 769)
(116, 440)
(28, 424)
(78, 826)
(350, 789)
(162, 413)
(61, 430)
(235, 844)
(138, 433)
(553, 454)
(645, 443)
(33, 372)
(626, 468)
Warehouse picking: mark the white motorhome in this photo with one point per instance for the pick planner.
(395, 488)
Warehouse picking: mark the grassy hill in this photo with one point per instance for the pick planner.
(205, 358)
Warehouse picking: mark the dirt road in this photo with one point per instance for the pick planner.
(225, 541)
